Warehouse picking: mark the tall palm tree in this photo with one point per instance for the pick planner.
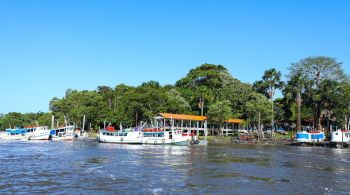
(294, 90)
(271, 81)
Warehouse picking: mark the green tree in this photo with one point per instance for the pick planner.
(219, 112)
(209, 83)
(258, 110)
(342, 110)
(316, 70)
(294, 89)
(271, 81)
(107, 94)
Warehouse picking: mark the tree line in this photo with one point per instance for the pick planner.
(316, 93)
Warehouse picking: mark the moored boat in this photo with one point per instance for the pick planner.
(38, 133)
(156, 136)
(63, 133)
(110, 135)
(14, 134)
(340, 138)
(310, 137)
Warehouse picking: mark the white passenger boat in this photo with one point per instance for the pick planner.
(156, 136)
(63, 133)
(14, 134)
(152, 136)
(340, 138)
(38, 133)
(110, 135)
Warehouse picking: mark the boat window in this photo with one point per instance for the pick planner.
(336, 133)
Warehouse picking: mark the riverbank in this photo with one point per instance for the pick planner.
(277, 140)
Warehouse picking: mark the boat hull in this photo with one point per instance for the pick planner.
(306, 137)
(340, 138)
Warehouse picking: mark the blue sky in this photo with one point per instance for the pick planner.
(47, 47)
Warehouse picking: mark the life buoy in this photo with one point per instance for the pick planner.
(60, 135)
(121, 139)
(163, 140)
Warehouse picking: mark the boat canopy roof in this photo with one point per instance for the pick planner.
(19, 131)
(192, 117)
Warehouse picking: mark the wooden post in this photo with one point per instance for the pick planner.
(197, 128)
(52, 121)
(259, 126)
(83, 123)
(205, 130)
(342, 139)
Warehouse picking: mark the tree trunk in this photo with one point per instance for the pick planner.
(348, 124)
(273, 111)
(318, 118)
(259, 126)
(298, 112)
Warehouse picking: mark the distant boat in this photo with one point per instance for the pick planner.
(110, 135)
(38, 133)
(340, 138)
(14, 134)
(27, 133)
(309, 137)
(63, 133)
(281, 131)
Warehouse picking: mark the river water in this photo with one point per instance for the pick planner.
(94, 168)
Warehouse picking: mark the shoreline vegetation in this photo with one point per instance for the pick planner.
(315, 95)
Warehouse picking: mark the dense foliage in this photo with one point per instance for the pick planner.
(316, 90)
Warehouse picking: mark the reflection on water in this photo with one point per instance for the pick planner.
(90, 168)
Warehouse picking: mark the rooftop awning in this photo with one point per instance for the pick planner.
(192, 117)
(183, 117)
(235, 121)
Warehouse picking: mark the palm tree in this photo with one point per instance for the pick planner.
(271, 81)
(294, 90)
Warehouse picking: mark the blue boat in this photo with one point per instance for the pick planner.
(310, 137)
(15, 134)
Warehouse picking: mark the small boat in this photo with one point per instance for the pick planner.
(80, 134)
(340, 138)
(14, 134)
(63, 133)
(281, 131)
(310, 137)
(110, 135)
(38, 133)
